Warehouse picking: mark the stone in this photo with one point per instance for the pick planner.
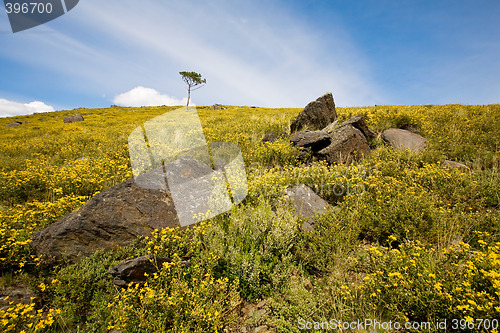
(315, 140)
(360, 123)
(73, 119)
(110, 219)
(307, 204)
(14, 124)
(403, 139)
(18, 295)
(261, 329)
(120, 214)
(316, 115)
(331, 127)
(269, 137)
(455, 165)
(217, 107)
(348, 144)
(136, 270)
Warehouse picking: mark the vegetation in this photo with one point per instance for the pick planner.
(409, 240)
(193, 81)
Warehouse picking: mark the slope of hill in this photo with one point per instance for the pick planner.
(419, 242)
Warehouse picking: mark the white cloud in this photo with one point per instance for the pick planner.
(11, 108)
(141, 96)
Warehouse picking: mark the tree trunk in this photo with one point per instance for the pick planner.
(189, 95)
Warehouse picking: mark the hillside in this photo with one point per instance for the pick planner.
(419, 243)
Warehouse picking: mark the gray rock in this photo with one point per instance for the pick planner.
(217, 107)
(110, 219)
(135, 270)
(455, 165)
(348, 145)
(316, 115)
(314, 140)
(306, 203)
(331, 127)
(269, 137)
(73, 119)
(17, 294)
(136, 207)
(360, 123)
(14, 124)
(403, 139)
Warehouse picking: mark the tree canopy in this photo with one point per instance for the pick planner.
(194, 81)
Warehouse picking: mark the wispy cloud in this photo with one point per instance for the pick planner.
(258, 58)
(249, 56)
(11, 108)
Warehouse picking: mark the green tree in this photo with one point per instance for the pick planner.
(194, 81)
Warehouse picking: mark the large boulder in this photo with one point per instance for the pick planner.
(314, 140)
(316, 115)
(306, 203)
(73, 119)
(348, 144)
(108, 220)
(403, 139)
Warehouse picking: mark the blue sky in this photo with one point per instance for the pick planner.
(263, 53)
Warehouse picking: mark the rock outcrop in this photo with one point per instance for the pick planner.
(337, 143)
(73, 119)
(314, 140)
(403, 139)
(359, 123)
(316, 115)
(110, 219)
(348, 144)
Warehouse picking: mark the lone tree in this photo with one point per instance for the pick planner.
(193, 81)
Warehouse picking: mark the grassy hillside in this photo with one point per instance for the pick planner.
(411, 240)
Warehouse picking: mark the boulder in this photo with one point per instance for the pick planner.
(307, 204)
(73, 119)
(316, 115)
(403, 139)
(360, 123)
(217, 107)
(17, 294)
(455, 165)
(135, 270)
(14, 124)
(347, 145)
(110, 219)
(314, 140)
(269, 137)
(331, 127)
(136, 207)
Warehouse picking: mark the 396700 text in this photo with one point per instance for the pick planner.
(28, 8)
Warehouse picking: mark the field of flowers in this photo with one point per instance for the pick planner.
(410, 240)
